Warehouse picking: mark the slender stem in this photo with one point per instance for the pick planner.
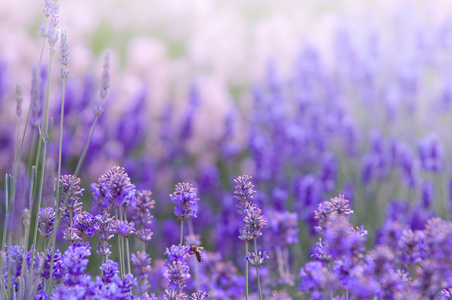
(27, 229)
(121, 266)
(15, 166)
(6, 210)
(44, 138)
(181, 232)
(70, 223)
(30, 199)
(60, 146)
(7, 203)
(42, 51)
(128, 254)
(195, 264)
(31, 148)
(257, 271)
(125, 239)
(41, 185)
(246, 270)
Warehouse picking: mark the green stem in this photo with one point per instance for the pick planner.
(121, 266)
(41, 185)
(30, 150)
(181, 232)
(60, 146)
(42, 51)
(43, 141)
(6, 210)
(27, 229)
(128, 254)
(15, 166)
(257, 271)
(195, 264)
(125, 240)
(246, 270)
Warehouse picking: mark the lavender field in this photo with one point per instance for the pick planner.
(256, 149)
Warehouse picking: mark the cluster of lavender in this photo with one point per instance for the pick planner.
(303, 141)
(404, 264)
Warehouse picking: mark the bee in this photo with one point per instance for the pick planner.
(197, 250)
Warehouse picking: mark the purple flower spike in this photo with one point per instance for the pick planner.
(445, 294)
(200, 295)
(257, 260)
(114, 189)
(76, 260)
(177, 272)
(123, 228)
(84, 222)
(316, 278)
(109, 270)
(46, 220)
(185, 199)
(243, 189)
(142, 264)
(71, 191)
(254, 221)
(104, 226)
(124, 285)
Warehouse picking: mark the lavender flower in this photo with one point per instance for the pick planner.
(342, 240)
(186, 201)
(64, 51)
(200, 295)
(445, 294)
(321, 252)
(105, 78)
(42, 295)
(243, 192)
(141, 214)
(19, 99)
(177, 271)
(142, 264)
(316, 279)
(75, 261)
(257, 260)
(114, 189)
(109, 270)
(141, 210)
(84, 222)
(71, 193)
(71, 234)
(254, 221)
(328, 209)
(124, 286)
(123, 228)
(104, 226)
(46, 220)
(411, 245)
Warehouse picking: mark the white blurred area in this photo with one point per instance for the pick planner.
(222, 46)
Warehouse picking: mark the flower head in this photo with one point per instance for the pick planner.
(46, 220)
(199, 295)
(243, 192)
(257, 260)
(185, 198)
